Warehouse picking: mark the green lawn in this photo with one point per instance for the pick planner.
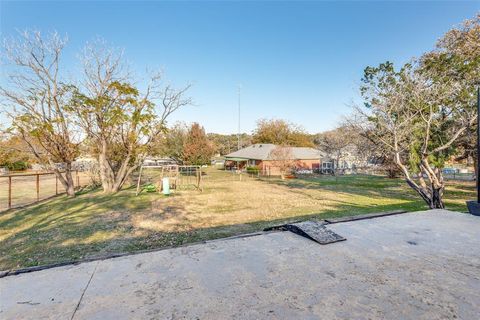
(95, 225)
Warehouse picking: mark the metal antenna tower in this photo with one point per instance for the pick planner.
(238, 132)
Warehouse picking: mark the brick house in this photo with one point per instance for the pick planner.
(261, 156)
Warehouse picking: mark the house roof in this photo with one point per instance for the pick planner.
(262, 151)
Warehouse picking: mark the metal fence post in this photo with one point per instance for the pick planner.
(38, 187)
(9, 192)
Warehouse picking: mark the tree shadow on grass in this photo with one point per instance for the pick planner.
(84, 201)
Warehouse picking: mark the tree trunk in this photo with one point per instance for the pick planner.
(437, 201)
(113, 182)
(425, 196)
(106, 173)
(66, 179)
(431, 193)
(335, 168)
(433, 199)
(70, 184)
(122, 173)
(391, 173)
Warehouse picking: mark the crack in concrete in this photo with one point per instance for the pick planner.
(83, 292)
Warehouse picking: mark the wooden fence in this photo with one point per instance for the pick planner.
(21, 189)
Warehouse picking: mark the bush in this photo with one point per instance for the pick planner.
(253, 170)
(150, 188)
(17, 166)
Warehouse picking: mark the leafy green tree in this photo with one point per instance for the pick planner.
(281, 132)
(227, 143)
(435, 120)
(197, 149)
(405, 110)
(14, 153)
(171, 143)
(455, 62)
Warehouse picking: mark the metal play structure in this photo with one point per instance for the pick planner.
(178, 177)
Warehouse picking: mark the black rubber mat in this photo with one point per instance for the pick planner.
(312, 230)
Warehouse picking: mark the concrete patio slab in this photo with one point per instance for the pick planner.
(53, 294)
(423, 265)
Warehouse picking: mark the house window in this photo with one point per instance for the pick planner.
(251, 163)
(327, 165)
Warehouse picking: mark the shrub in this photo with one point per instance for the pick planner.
(17, 166)
(253, 170)
(150, 188)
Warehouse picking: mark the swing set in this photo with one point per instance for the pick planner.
(180, 177)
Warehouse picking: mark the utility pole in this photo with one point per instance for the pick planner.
(238, 134)
(474, 206)
(478, 143)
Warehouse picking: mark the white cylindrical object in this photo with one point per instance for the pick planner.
(166, 186)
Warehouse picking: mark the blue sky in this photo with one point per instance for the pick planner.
(300, 61)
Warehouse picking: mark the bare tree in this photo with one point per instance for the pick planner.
(36, 97)
(336, 144)
(368, 152)
(120, 121)
(283, 159)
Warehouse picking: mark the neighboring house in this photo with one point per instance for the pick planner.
(85, 163)
(260, 155)
(158, 161)
(349, 160)
(80, 164)
(218, 161)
